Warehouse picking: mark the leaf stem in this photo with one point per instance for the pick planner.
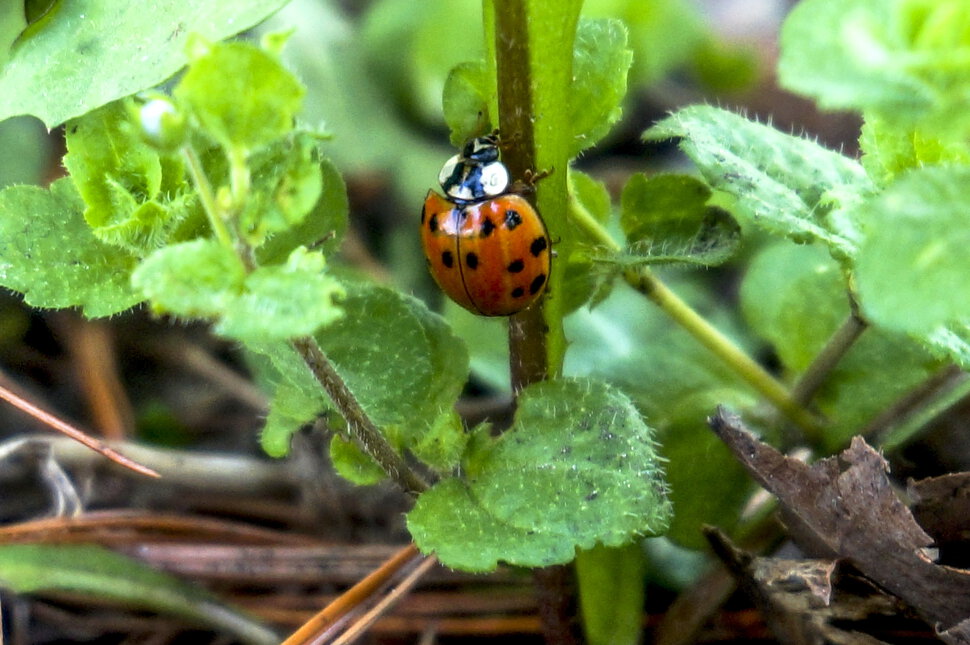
(838, 344)
(363, 432)
(207, 196)
(644, 281)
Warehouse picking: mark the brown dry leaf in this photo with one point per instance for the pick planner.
(844, 507)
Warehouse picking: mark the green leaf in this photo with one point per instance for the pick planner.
(241, 95)
(786, 185)
(48, 253)
(283, 301)
(914, 261)
(287, 184)
(94, 571)
(465, 102)
(136, 198)
(905, 61)
(322, 228)
(352, 464)
(601, 61)
(198, 279)
(890, 150)
(796, 297)
(487, 343)
(666, 219)
(91, 52)
(611, 594)
(291, 407)
(579, 463)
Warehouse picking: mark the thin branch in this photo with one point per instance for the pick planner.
(74, 433)
(838, 344)
(362, 430)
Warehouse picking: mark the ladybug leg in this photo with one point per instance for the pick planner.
(528, 184)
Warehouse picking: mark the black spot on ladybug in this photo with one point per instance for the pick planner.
(433, 223)
(538, 246)
(516, 266)
(536, 284)
(471, 260)
(487, 228)
(512, 219)
(447, 259)
(518, 292)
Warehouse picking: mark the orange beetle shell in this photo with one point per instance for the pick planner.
(491, 257)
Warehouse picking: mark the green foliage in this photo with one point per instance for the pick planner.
(90, 52)
(913, 262)
(404, 366)
(786, 185)
(578, 468)
(136, 197)
(666, 218)
(97, 572)
(601, 60)
(241, 96)
(49, 254)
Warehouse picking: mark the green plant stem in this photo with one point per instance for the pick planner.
(363, 432)
(838, 344)
(208, 197)
(644, 281)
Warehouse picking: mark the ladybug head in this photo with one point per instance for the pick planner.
(481, 150)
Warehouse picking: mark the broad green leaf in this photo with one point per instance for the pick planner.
(449, 521)
(913, 263)
(283, 301)
(286, 186)
(241, 95)
(12, 22)
(198, 279)
(27, 151)
(611, 594)
(601, 60)
(952, 343)
(487, 342)
(666, 219)
(94, 571)
(136, 197)
(579, 463)
(890, 150)
(322, 228)
(786, 185)
(49, 254)
(91, 52)
(906, 61)
(586, 281)
(592, 194)
(795, 296)
(404, 367)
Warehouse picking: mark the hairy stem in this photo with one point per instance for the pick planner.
(363, 432)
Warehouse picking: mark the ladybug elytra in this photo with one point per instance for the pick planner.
(486, 247)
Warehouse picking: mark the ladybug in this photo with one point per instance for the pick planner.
(486, 247)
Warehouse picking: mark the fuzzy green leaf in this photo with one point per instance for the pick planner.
(322, 228)
(241, 95)
(287, 183)
(889, 150)
(91, 52)
(95, 571)
(198, 279)
(666, 219)
(601, 60)
(405, 367)
(135, 197)
(906, 61)
(283, 301)
(914, 261)
(48, 253)
(579, 465)
(787, 185)
(353, 464)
